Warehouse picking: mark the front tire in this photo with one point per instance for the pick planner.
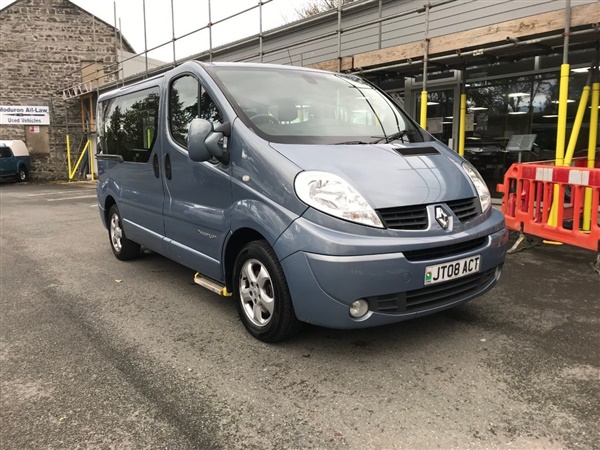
(261, 293)
(123, 248)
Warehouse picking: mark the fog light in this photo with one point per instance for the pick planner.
(359, 308)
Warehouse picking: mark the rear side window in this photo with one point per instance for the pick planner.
(5, 152)
(129, 125)
(184, 107)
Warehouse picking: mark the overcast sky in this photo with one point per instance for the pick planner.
(189, 15)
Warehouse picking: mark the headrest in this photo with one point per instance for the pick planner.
(287, 112)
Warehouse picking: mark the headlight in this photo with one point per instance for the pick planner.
(332, 195)
(482, 191)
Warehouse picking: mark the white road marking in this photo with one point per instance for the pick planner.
(41, 194)
(69, 198)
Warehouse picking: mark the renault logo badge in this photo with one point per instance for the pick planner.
(442, 217)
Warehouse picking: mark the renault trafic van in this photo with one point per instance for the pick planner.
(308, 196)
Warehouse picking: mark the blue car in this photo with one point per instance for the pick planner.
(15, 161)
(308, 196)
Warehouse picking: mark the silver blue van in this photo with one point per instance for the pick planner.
(308, 196)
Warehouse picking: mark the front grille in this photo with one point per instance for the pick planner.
(405, 217)
(415, 217)
(465, 209)
(444, 251)
(431, 296)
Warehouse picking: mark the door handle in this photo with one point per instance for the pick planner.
(168, 166)
(155, 165)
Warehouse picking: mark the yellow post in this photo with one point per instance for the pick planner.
(69, 155)
(72, 174)
(424, 110)
(587, 205)
(90, 158)
(561, 132)
(462, 126)
(577, 125)
(563, 97)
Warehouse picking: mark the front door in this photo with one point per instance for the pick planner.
(197, 194)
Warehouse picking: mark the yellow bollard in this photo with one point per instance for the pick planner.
(560, 136)
(587, 203)
(72, 174)
(462, 126)
(563, 97)
(69, 156)
(577, 125)
(424, 110)
(91, 160)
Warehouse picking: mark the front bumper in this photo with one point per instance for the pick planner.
(323, 287)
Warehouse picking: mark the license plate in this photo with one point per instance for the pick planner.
(451, 270)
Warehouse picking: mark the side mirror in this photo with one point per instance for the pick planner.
(199, 130)
(204, 142)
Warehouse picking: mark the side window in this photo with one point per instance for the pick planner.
(129, 125)
(5, 152)
(183, 107)
(209, 109)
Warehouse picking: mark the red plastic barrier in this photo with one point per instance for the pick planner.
(527, 202)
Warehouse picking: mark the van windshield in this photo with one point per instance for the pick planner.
(301, 106)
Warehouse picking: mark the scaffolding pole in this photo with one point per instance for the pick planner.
(563, 97)
(423, 121)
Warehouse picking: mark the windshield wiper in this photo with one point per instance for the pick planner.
(394, 136)
(355, 143)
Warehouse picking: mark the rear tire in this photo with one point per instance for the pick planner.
(22, 174)
(123, 248)
(261, 293)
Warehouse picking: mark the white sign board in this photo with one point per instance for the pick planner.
(24, 115)
(469, 122)
(435, 125)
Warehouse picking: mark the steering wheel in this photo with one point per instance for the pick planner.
(260, 119)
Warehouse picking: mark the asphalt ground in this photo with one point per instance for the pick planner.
(98, 353)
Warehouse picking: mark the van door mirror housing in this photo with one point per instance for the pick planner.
(199, 130)
(206, 142)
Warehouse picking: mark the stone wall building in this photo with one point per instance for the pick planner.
(45, 46)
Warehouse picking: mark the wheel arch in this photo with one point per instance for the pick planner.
(238, 239)
(108, 203)
(22, 166)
